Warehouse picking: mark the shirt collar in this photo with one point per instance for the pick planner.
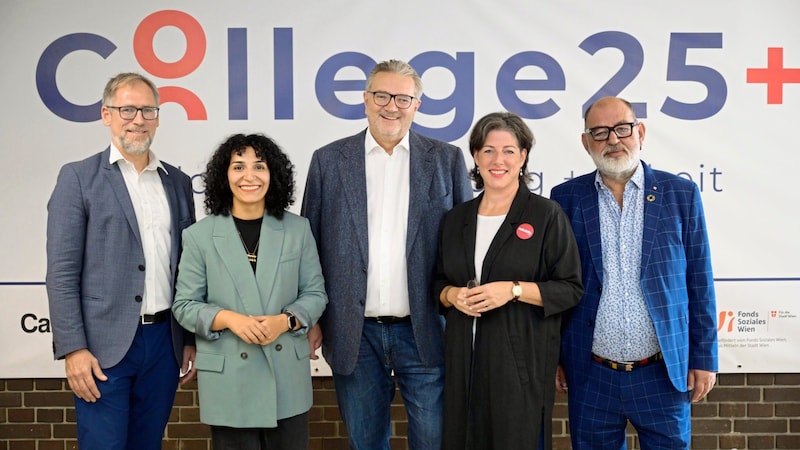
(114, 155)
(370, 144)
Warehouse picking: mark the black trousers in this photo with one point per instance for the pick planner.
(290, 434)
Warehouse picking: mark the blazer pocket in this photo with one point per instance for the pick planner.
(302, 350)
(210, 362)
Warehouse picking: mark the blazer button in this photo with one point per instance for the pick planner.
(279, 347)
(138, 299)
(243, 355)
(600, 290)
(141, 267)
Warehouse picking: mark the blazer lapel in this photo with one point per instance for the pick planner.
(352, 173)
(468, 236)
(591, 221)
(230, 249)
(420, 179)
(506, 230)
(172, 200)
(653, 193)
(120, 190)
(271, 247)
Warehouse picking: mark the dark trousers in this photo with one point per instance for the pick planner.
(136, 400)
(290, 434)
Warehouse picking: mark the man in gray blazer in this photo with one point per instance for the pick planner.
(113, 240)
(375, 201)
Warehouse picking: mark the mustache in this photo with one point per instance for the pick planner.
(615, 148)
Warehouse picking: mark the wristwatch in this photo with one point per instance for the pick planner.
(292, 320)
(516, 291)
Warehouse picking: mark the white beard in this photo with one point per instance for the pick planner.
(618, 168)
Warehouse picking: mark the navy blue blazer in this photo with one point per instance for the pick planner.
(95, 261)
(676, 275)
(335, 203)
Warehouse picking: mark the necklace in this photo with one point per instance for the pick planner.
(251, 256)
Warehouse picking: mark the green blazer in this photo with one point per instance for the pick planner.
(248, 385)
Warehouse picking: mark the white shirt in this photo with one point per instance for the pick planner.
(153, 217)
(388, 188)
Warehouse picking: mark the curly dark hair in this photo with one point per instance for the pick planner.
(280, 194)
(503, 121)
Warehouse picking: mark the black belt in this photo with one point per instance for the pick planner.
(628, 366)
(150, 319)
(389, 319)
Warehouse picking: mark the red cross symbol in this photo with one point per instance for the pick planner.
(775, 75)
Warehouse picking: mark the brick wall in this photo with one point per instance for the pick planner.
(755, 411)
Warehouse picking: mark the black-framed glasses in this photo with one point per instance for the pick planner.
(383, 98)
(622, 130)
(129, 112)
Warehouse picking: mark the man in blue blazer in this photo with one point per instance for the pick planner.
(642, 343)
(375, 201)
(113, 241)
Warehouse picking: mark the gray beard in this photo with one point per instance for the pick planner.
(135, 148)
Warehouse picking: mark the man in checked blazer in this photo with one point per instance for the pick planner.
(375, 201)
(114, 228)
(642, 343)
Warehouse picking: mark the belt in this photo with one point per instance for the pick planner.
(628, 366)
(150, 319)
(389, 319)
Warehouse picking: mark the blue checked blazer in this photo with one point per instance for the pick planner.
(676, 275)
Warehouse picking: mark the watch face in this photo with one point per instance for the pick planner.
(516, 290)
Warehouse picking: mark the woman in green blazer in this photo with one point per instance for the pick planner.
(250, 286)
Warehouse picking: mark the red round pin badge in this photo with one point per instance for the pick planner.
(525, 231)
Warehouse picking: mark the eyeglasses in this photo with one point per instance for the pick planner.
(383, 99)
(129, 112)
(622, 130)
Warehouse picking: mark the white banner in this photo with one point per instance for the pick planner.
(716, 82)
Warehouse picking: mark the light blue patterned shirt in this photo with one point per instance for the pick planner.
(624, 330)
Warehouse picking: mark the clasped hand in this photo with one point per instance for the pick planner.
(483, 298)
(261, 330)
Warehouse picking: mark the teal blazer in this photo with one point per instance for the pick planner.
(248, 385)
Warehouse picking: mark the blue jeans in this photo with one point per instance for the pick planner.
(388, 352)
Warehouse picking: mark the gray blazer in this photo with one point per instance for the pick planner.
(335, 203)
(95, 261)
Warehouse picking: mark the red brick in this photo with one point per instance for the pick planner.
(734, 394)
(711, 426)
(760, 426)
(10, 399)
(760, 379)
(54, 384)
(21, 415)
(23, 385)
(731, 441)
(22, 445)
(760, 442)
(760, 410)
(782, 394)
(51, 445)
(47, 415)
(65, 431)
(732, 410)
(704, 442)
(24, 431)
(46, 399)
(787, 442)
